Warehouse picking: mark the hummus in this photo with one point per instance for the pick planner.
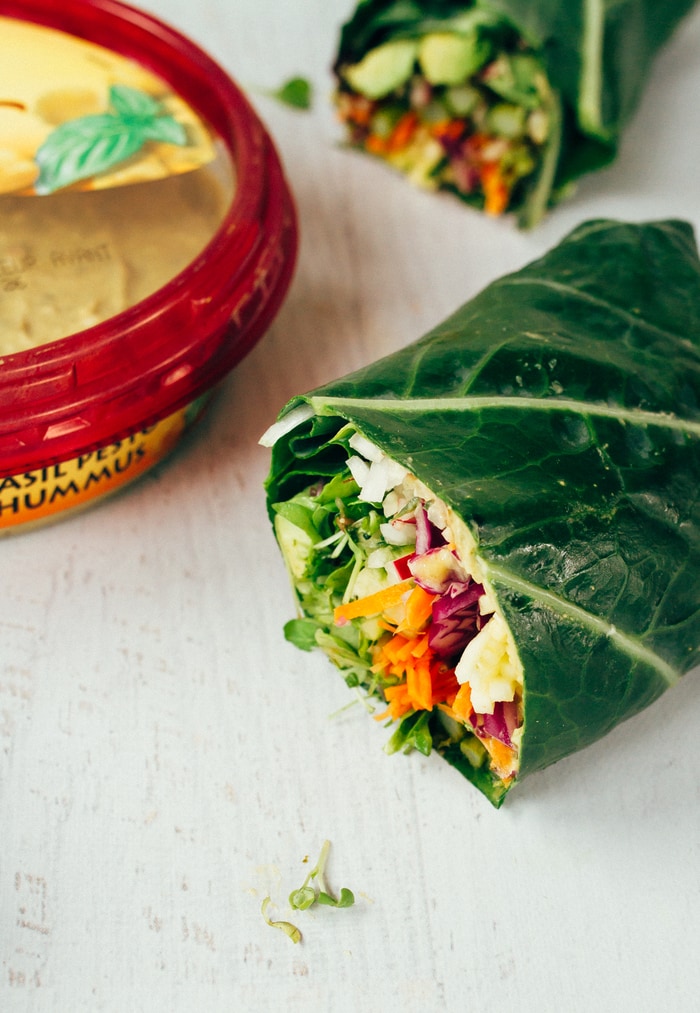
(72, 259)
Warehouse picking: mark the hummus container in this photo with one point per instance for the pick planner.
(147, 238)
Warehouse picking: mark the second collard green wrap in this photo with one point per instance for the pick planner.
(597, 55)
(558, 414)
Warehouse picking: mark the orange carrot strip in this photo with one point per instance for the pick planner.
(462, 705)
(384, 715)
(448, 130)
(419, 686)
(419, 606)
(502, 756)
(389, 654)
(402, 132)
(496, 191)
(420, 646)
(362, 112)
(375, 144)
(372, 604)
(398, 700)
(408, 651)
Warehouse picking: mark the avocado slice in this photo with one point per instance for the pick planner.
(296, 544)
(383, 69)
(450, 58)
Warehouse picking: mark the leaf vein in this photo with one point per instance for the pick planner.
(637, 416)
(628, 644)
(588, 297)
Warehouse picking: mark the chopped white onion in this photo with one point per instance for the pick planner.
(381, 558)
(396, 473)
(361, 445)
(398, 533)
(487, 605)
(374, 488)
(285, 425)
(359, 470)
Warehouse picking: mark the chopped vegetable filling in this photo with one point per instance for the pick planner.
(389, 587)
(471, 112)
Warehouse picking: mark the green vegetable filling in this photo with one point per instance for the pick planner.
(469, 111)
(339, 549)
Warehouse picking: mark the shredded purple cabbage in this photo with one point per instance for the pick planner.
(428, 536)
(501, 724)
(455, 619)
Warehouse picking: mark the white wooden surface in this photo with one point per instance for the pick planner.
(166, 759)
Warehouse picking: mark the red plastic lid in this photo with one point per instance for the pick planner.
(69, 396)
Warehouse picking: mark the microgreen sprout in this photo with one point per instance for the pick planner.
(312, 891)
(317, 892)
(289, 930)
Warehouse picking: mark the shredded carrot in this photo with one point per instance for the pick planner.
(462, 703)
(419, 606)
(448, 130)
(496, 190)
(477, 142)
(372, 604)
(419, 685)
(355, 109)
(398, 699)
(375, 144)
(502, 756)
(425, 680)
(362, 112)
(445, 683)
(403, 131)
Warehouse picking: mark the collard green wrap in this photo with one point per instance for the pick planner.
(595, 56)
(558, 415)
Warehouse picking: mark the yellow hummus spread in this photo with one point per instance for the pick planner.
(71, 260)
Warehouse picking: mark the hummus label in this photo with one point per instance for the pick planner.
(74, 114)
(41, 494)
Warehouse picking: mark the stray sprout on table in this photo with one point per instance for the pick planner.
(289, 930)
(307, 894)
(312, 891)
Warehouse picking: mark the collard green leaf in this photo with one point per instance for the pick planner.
(558, 413)
(599, 51)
